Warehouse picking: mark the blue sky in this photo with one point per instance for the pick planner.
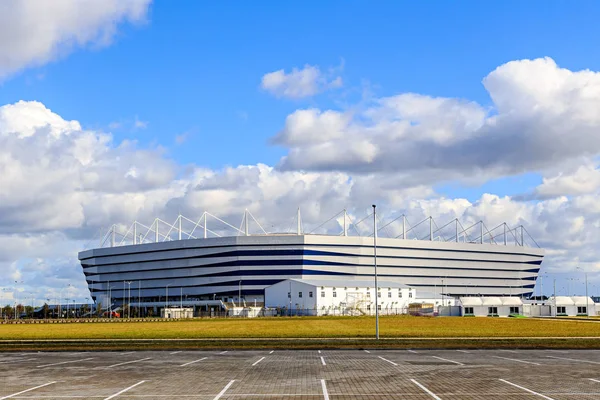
(195, 67)
(186, 81)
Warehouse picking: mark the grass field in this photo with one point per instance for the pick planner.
(316, 327)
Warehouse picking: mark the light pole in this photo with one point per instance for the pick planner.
(167, 298)
(375, 265)
(240, 292)
(128, 299)
(587, 306)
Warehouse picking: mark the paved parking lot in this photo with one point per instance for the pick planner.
(324, 374)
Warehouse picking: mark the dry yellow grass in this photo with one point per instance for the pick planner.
(317, 327)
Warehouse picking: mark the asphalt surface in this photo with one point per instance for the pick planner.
(303, 374)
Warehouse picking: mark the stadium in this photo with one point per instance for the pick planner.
(186, 263)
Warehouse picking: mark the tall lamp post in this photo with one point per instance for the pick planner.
(167, 298)
(375, 265)
(128, 299)
(587, 306)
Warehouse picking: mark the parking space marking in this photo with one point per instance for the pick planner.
(223, 352)
(222, 392)
(128, 362)
(124, 390)
(367, 351)
(595, 380)
(129, 352)
(412, 351)
(175, 352)
(319, 351)
(464, 351)
(324, 387)
(385, 359)
(271, 352)
(509, 351)
(323, 361)
(19, 360)
(64, 362)
(27, 390)
(445, 359)
(574, 359)
(514, 359)
(262, 358)
(527, 390)
(193, 362)
(429, 392)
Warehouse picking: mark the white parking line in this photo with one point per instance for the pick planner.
(445, 359)
(412, 351)
(223, 352)
(19, 360)
(324, 387)
(509, 351)
(193, 362)
(429, 392)
(464, 351)
(574, 359)
(25, 391)
(129, 352)
(367, 351)
(124, 390)
(527, 390)
(323, 361)
(319, 351)
(271, 352)
(128, 362)
(222, 392)
(595, 380)
(257, 362)
(175, 352)
(64, 362)
(385, 359)
(514, 359)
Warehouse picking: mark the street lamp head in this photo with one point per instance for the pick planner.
(373, 205)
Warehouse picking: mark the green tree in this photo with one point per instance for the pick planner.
(46, 308)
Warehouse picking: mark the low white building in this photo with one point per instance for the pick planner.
(176, 312)
(349, 297)
(573, 306)
(491, 306)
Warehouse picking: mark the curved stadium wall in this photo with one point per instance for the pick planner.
(222, 267)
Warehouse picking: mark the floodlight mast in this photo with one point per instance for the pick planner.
(375, 265)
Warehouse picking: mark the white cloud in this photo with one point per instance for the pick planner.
(35, 32)
(585, 179)
(543, 117)
(300, 83)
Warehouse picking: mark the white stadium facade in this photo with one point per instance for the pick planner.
(195, 265)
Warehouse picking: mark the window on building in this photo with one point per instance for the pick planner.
(289, 295)
(378, 294)
(561, 310)
(514, 310)
(368, 307)
(469, 311)
(400, 293)
(300, 294)
(334, 294)
(322, 294)
(389, 294)
(492, 310)
(379, 307)
(309, 294)
(581, 310)
(369, 294)
(409, 293)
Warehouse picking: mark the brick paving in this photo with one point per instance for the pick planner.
(295, 374)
